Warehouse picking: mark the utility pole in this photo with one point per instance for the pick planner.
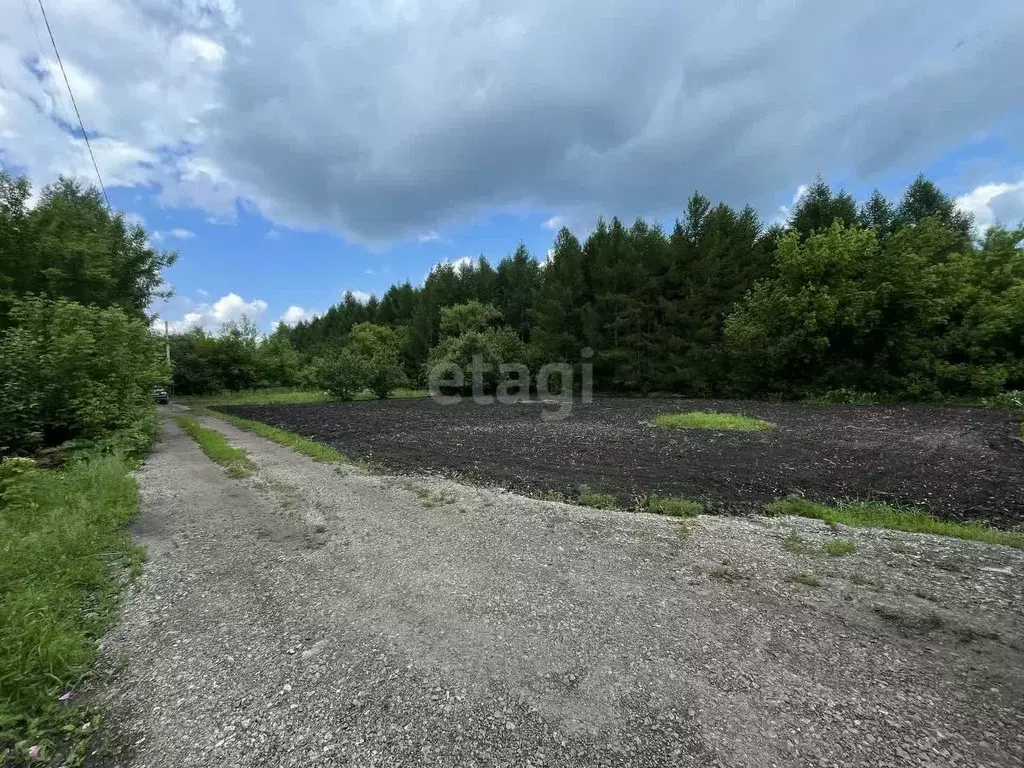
(167, 346)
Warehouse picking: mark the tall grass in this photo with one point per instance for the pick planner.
(287, 396)
(217, 447)
(875, 515)
(63, 550)
(316, 451)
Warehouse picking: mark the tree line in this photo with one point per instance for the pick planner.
(77, 359)
(895, 298)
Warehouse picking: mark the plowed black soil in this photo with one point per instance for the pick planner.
(960, 462)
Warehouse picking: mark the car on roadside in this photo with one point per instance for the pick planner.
(160, 395)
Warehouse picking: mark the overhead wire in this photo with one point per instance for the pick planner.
(78, 114)
(57, 97)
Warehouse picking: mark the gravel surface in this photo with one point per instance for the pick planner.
(321, 615)
(960, 462)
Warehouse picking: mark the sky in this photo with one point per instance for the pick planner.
(294, 151)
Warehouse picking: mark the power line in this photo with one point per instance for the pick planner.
(74, 104)
(57, 98)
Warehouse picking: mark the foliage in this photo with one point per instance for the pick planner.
(73, 372)
(470, 338)
(342, 373)
(380, 349)
(69, 246)
(217, 447)
(732, 422)
(898, 299)
(876, 515)
(62, 546)
(588, 497)
(237, 358)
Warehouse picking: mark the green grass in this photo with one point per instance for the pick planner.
(673, 507)
(806, 578)
(316, 451)
(877, 515)
(428, 497)
(733, 422)
(595, 499)
(798, 545)
(63, 557)
(285, 396)
(216, 446)
(840, 547)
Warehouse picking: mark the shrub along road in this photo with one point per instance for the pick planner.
(316, 614)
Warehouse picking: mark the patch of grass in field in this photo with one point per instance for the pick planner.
(216, 446)
(798, 545)
(806, 578)
(316, 451)
(430, 498)
(672, 507)
(732, 422)
(595, 499)
(840, 547)
(64, 555)
(288, 396)
(876, 515)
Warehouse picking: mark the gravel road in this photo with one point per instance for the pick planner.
(321, 615)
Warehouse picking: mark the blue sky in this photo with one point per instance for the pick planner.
(291, 152)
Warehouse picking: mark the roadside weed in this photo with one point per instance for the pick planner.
(595, 499)
(316, 451)
(216, 446)
(877, 515)
(840, 547)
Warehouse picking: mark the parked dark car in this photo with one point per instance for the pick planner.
(160, 395)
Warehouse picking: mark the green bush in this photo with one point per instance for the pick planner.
(342, 374)
(74, 372)
(468, 334)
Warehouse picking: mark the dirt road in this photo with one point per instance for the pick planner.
(320, 615)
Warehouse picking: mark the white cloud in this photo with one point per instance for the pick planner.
(786, 210)
(460, 107)
(998, 202)
(554, 223)
(295, 314)
(210, 317)
(361, 296)
(134, 220)
(177, 233)
(429, 237)
(273, 234)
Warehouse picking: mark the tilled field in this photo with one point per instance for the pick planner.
(960, 462)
